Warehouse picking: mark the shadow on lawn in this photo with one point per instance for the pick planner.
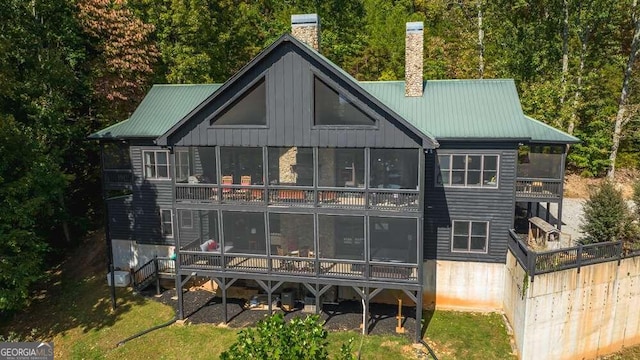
(73, 295)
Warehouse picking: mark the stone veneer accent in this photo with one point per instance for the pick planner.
(306, 28)
(287, 162)
(414, 47)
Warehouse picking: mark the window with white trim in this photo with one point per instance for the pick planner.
(166, 222)
(186, 219)
(467, 170)
(182, 165)
(469, 236)
(156, 164)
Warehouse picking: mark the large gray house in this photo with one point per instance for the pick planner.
(294, 172)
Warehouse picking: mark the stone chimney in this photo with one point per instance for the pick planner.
(306, 28)
(414, 45)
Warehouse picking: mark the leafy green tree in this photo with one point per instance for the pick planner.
(29, 192)
(274, 338)
(606, 215)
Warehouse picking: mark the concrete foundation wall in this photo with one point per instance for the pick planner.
(128, 254)
(466, 286)
(571, 315)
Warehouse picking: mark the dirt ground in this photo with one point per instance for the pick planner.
(576, 186)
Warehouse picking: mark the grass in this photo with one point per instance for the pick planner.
(74, 311)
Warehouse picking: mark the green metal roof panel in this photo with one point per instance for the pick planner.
(455, 109)
(160, 109)
(541, 132)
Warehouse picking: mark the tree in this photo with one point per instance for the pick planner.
(29, 192)
(606, 215)
(622, 118)
(274, 338)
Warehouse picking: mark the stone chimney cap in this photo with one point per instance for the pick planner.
(416, 26)
(304, 20)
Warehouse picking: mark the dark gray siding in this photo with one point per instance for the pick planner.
(289, 86)
(121, 221)
(444, 204)
(149, 196)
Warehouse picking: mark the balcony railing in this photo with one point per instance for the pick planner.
(338, 198)
(299, 266)
(116, 179)
(538, 188)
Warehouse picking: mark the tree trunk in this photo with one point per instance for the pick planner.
(480, 40)
(576, 96)
(621, 119)
(565, 50)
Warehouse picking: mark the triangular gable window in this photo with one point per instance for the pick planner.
(334, 109)
(249, 109)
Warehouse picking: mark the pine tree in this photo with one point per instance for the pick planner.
(606, 215)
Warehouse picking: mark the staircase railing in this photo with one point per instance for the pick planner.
(149, 272)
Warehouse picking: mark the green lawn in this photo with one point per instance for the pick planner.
(77, 316)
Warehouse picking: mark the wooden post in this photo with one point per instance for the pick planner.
(399, 328)
(156, 274)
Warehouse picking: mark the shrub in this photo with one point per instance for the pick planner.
(606, 215)
(636, 198)
(274, 338)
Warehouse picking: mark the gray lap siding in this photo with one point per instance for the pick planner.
(149, 196)
(445, 204)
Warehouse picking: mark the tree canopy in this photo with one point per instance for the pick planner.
(69, 68)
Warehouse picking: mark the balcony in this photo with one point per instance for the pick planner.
(538, 189)
(299, 266)
(117, 179)
(299, 196)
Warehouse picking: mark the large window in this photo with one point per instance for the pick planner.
(198, 230)
(470, 236)
(394, 168)
(156, 164)
(341, 237)
(291, 166)
(468, 170)
(196, 165)
(332, 108)
(291, 234)
(166, 222)
(244, 232)
(341, 167)
(393, 239)
(249, 110)
(241, 165)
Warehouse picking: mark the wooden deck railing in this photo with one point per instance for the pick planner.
(539, 188)
(299, 266)
(536, 263)
(301, 196)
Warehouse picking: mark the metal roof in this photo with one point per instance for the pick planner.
(162, 107)
(465, 109)
(449, 109)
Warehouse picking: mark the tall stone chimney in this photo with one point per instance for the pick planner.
(306, 28)
(414, 45)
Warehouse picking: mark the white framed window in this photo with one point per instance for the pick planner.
(467, 170)
(156, 164)
(186, 219)
(166, 222)
(182, 165)
(469, 236)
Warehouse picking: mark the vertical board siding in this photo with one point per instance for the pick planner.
(149, 196)
(289, 85)
(444, 204)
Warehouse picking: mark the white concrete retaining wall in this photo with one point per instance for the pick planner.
(465, 286)
(571, 315)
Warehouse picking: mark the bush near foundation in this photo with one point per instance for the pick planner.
(274, 338)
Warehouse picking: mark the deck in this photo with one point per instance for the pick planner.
(538, 189)
(338, 198)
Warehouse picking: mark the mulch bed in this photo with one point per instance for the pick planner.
(201, 306)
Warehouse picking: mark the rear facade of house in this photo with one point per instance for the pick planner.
(293, 172)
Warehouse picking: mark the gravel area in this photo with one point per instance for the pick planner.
(201, 306)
